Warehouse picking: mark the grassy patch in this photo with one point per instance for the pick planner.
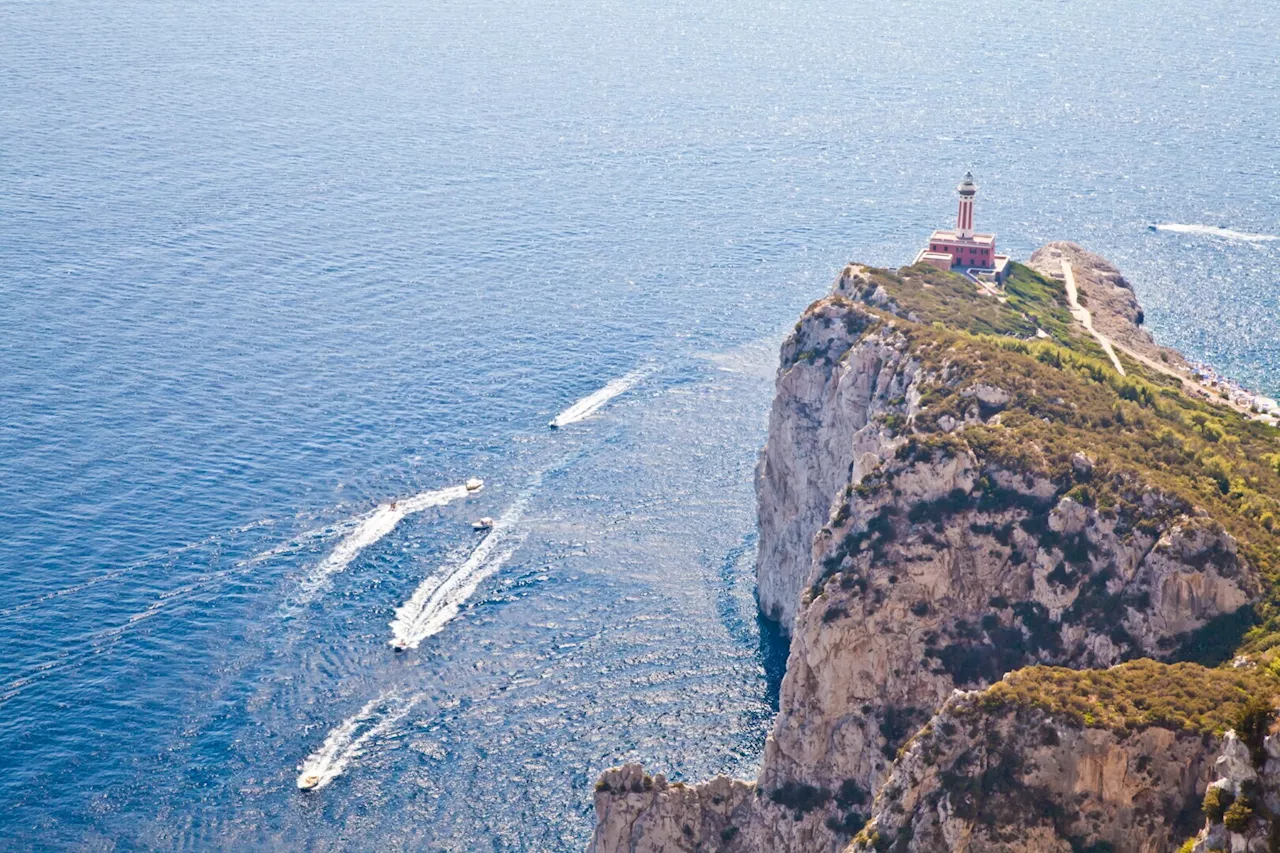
(929, 295)
(1136, 695)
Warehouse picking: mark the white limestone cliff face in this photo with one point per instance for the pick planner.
(1243, 801)
(1019, 780)
(827, 389)
(639, 813)
(933, 570)
(933, 584)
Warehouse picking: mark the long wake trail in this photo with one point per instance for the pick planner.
(1213, 231)
(439, 598)
(589, 405)
(79, 650)
(368, 531)
(123, 571)
(358, 533)
(347, 740)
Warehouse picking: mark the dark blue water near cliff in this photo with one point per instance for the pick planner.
(267, 267)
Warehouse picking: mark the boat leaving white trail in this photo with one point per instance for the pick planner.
(346, 742)
(439, 598)
(588, 406)
(1212, 231)
(369, 530)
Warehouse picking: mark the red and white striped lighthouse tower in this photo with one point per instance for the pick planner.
(964, 217)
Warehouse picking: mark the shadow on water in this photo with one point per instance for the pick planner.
(735, 596)
(739, 612)
(774, 647)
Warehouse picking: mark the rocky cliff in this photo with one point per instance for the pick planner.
(827, 392)
(1042, 762)
(1106, 293)
(957, 487)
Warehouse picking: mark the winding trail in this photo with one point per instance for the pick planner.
(1085, 318)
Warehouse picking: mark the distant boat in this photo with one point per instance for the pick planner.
(474, 484)
(1213, 231)
(485, 523)
(308, 782)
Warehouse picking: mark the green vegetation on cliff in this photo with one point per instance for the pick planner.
(1135, 695)
(1032, 302)
(1065, 399)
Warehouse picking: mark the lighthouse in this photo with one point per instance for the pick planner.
(963, 250)
(964, 216)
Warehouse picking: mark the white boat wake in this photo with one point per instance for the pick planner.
(589, 405)
(123, 571)
(358, 533)
(1212, 231)
(346, 742)
(439, 598)
(301, 541)
(75, 652)
(369, 530)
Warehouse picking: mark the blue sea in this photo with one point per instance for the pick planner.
(277, 278)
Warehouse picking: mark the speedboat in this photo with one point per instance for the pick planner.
(475, 484)
(485, 523)
(399, 645)
(308, 781)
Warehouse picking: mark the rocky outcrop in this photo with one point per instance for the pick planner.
(947, 572)
(1242, 805)
(1109, 298)
(937, 510)
(1021, 780)
(941, 567)
(639, 813)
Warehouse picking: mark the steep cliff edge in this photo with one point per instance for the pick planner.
(828, 389)
(827, 392)
(956, 487)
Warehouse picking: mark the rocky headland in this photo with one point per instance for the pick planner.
(1030, 600)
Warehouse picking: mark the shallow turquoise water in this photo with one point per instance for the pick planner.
(266, 267)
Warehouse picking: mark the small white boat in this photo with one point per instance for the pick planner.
(483, 524)
(308, 782)
(475, 484)
(399, 645)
